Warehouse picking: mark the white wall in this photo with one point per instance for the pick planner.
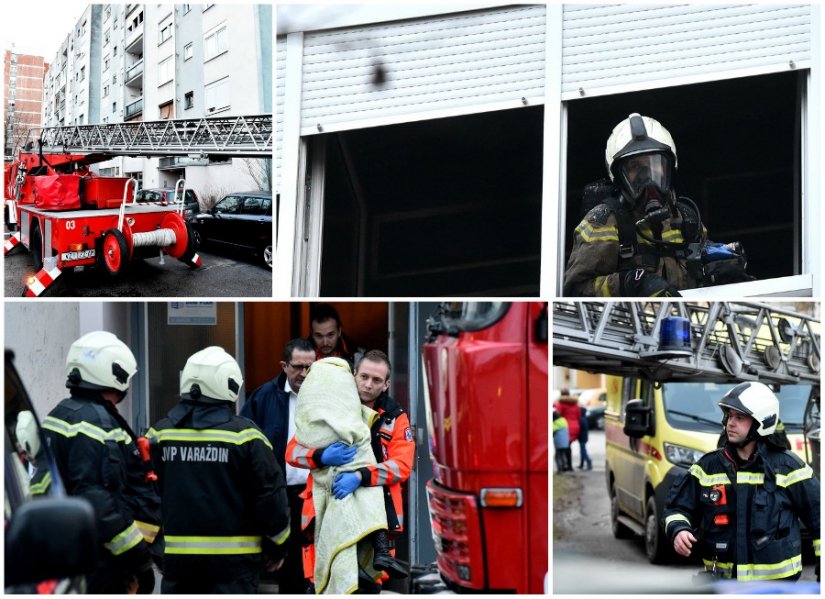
(40, 334)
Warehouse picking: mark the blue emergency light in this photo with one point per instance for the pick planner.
(674, 336)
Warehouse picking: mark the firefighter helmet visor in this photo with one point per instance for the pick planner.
(641, 172)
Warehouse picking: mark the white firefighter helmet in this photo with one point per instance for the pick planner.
(27, 433)
(99, 360)
(645, 138)
(214, 372)
(757, 401)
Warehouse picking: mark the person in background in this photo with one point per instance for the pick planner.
(327, 335)
(272, 407)
(584, 429)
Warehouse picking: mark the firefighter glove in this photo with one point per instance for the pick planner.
(345, 483)
(338, 454)
(640, 283)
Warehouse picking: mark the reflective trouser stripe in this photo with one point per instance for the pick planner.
(149, 531)
(282, 536)
(789, 567)
(124, 541)
(816, 547)
(723, 568)
(212, 545)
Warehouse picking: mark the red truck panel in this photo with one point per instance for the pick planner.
(489, 401)
(56, 192)
(104, 192)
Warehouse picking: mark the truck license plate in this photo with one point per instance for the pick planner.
(65, 256)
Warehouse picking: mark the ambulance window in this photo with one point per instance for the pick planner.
(738, 143)
(629, 386)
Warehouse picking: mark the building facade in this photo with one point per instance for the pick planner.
(149, 62)
(23, 96)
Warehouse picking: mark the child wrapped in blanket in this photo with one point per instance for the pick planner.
(350, 533)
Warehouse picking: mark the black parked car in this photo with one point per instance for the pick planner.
(191, 205)
(50, 539)
(241, 220)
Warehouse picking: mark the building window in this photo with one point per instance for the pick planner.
(114, 50)
(188, 100)
(208, 6)
(187, 51)
(114, 78)
(216, 95)
(165, 33)
(82, 73)
(106, 63)
(215, 43)
(167, 111)
(106, 36)
(105, 90)
(114, 106)
(166, 71)
(186, 8)
(107, 12)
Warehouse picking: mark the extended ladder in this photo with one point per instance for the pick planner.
(229, 136)
(730, 341)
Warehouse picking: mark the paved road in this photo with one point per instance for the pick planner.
(586, 557)
(224, 275)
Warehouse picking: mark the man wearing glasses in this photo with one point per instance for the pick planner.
(272, 407)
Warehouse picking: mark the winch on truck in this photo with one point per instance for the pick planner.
(669, 363)
(67, 216)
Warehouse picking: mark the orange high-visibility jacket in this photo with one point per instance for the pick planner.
(393, 442)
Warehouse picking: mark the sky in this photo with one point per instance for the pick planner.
(38, 27)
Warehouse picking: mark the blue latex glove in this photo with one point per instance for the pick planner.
(338, 454)
(345, 483)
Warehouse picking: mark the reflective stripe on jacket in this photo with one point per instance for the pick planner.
(747, 518)
(224, 495)
(98, 459)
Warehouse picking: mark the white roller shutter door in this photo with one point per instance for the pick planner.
(616, 48)
(437, 66)
(280, 76)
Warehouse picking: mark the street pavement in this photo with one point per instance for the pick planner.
(588, 559)
(224, 275)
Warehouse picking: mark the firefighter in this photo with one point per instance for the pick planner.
(224, 497)
(327, 336)
(272, 407)
(740, 506)
(641, 239)
(97, 457)
(392, 443)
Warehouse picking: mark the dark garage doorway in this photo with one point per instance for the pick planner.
(435, 208)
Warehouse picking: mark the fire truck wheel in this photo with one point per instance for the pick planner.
(115, 254)
(36, 246)
(192, 243)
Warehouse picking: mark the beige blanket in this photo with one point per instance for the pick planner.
(329, 410)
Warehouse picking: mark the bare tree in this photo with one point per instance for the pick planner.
(17, 125)
(260, 170)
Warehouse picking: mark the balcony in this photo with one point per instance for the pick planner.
(134, 75)
(134, 41)
(134, 109)
(173, 163)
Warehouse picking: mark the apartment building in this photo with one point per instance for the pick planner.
(23, 96)
(147, 62)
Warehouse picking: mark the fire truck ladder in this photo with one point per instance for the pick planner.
(730, 342)
(229, 136)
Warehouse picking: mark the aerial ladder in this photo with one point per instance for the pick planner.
(724, 342)
(68, 217)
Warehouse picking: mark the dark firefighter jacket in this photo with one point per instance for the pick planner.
(224, 495)
(746, 518)
(268, 407)
(394, 447)
(98, 459)
(595, 266)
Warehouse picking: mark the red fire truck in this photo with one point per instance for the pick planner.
(67, 216)
(486, 366)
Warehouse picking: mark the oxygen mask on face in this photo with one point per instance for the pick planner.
(647, 178)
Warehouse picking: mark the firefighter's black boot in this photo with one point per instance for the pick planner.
(383, 559)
